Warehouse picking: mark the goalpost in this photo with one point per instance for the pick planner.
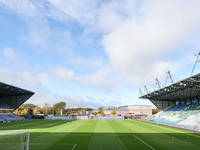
(12, 140)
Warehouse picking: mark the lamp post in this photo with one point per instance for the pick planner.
(86, 102)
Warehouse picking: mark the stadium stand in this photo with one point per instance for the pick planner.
(2, 106)
(179, 102)
(7, 118)
(182, 116)
(10, 118)
(178, 114)
(11, 97)
(17, 117)
(192, 120)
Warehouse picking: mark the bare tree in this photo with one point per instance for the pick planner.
(46, 109)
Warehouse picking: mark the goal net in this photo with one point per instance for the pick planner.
(14, 140)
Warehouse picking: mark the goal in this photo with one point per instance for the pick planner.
(12, 140)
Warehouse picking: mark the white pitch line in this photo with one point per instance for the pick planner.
(74, 146)
(49, 143)
(144, 142)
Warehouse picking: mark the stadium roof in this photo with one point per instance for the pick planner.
(167, 96)
(13, 96)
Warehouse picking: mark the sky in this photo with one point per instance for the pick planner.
(93, 53)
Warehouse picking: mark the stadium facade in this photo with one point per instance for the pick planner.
(135, 111)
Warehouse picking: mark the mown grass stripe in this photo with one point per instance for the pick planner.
(104, 134)
(159, 140)
(104, 137)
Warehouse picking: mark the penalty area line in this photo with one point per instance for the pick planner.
(74, 146)
(143, 142)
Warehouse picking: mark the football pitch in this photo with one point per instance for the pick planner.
(103, 135)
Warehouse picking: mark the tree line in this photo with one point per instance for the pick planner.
(101, 112)
(154, 111)
(32, 110)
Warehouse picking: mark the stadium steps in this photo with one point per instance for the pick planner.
(7, 118)
(174, 118)
(190, 117)
(173, 110)
(190, 113)
(176, 114)
(187, 117)
(19, 117)
(3, 105)
(169, 107)
(191, 120)
(14, 117)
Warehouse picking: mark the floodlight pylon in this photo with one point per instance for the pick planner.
(197, 60)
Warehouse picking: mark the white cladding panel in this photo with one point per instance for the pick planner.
(139, 106)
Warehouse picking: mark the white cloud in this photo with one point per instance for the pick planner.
(24, 79)
(37, 83)
(10, 54)
(41, 97)
(137, 37)
(136, 47)
(101, 79)
(111, 14)
(83, 12)
(81, 61)
(22, 7)
(36, 28)
(71, 101)
(62, 74)
(33, 80)
(29, 8)
(89, 102)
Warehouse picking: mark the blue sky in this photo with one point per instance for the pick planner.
(93, 52)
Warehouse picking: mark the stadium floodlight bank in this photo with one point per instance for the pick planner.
(12, 140)
(177, 93)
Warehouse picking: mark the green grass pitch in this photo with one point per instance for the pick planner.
(104, 135)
